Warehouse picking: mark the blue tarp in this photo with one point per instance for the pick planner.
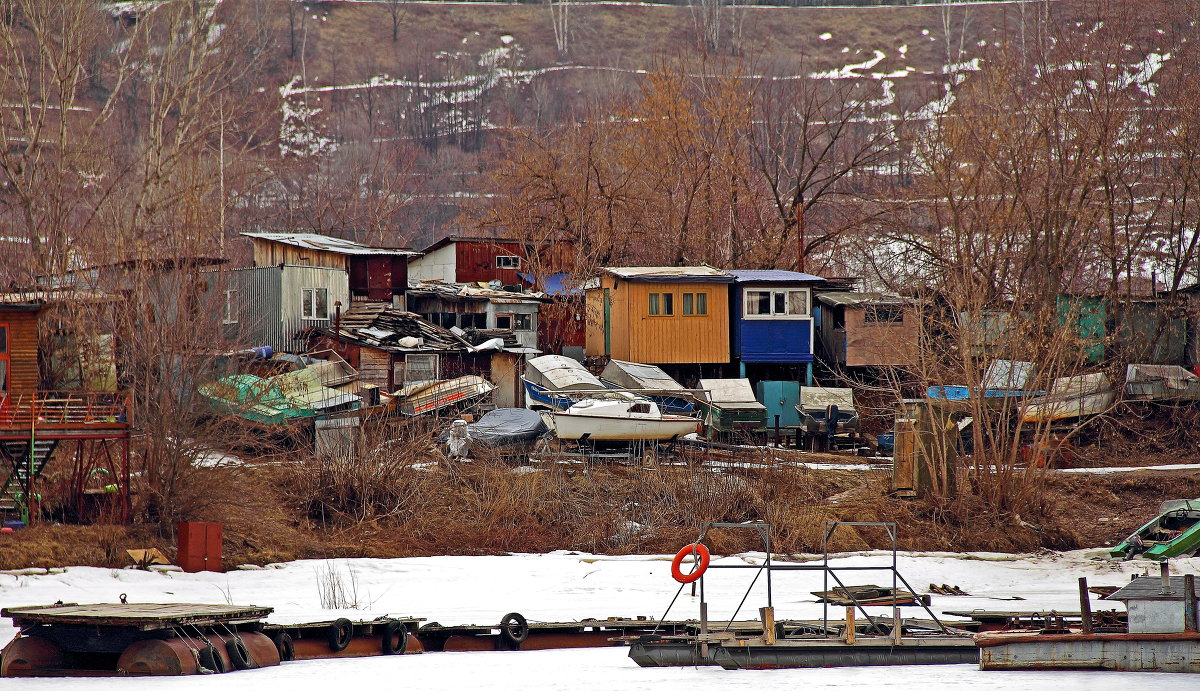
(552, 284)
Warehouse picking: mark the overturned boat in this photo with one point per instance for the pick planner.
(432, 396)
(620, 419)
(651, 382)
(1174, 532)
(549, 376)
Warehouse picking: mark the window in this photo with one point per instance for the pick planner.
(315, 303)
(230, 315)
(695, 304)
(506, 261)
(662, 304)
(884, 314)
(476, 320)
(775, 304)
(504, 321)
(523, 322)
(420, 367)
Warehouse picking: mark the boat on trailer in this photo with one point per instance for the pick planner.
(618, 419)
(873, 640)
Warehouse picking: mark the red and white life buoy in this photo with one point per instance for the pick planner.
(702, 559)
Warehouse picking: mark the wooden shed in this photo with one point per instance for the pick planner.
(660, 314)
(19, 346)
(867, 329)
(376, 273)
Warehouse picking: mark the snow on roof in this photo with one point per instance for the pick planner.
(863, 299)
(702, 273)
(325, 243)
(773, 275)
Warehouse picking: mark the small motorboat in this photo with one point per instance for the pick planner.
(1173, 533)
(627, 419)
(430, 396)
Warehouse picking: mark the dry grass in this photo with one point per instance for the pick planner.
(394, 504)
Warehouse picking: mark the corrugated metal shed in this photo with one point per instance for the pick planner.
(671, 274)
(855, 299)
(325, 243)
(772, 276)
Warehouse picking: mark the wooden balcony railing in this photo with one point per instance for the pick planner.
(26, 409)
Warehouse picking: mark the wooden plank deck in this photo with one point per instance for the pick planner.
(142, 616)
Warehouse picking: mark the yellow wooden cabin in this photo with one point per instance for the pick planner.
(660, 314)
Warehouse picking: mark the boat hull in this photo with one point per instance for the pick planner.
(1167, 652)
(787, 654)
(604, 428)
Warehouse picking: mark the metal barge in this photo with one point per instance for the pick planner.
(128, 639)
(825, 643)
(1161, 633)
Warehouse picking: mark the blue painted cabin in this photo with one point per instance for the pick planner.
(772, 317)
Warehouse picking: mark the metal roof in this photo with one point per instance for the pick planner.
(773, 276)
(852, 299)
(671, 274)
(41, 297)
(325, 243)
(1148, 588)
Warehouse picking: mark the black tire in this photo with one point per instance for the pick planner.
(210, 658)
(340, 633)
(283, 643)
(514, 629)
(395, 638)
(238, 654)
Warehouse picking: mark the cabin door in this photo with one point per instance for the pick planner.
(607, 322)
(4, 357)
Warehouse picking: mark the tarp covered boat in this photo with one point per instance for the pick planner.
(548, 374)
(650, 381)
(731, 406)
(504, 428)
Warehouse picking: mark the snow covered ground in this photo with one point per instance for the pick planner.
(567, 586)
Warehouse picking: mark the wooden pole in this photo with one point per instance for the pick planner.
(1085, 605)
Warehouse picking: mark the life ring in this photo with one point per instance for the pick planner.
(703, 556)
(238, 654)
(340, 633)
(395, 638)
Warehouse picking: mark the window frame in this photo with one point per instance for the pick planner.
(514, 262)
(308, 303)
(519, 317)
(774, 294)
(871, 314)
(231, 313)
(663, 306)
(698, 297)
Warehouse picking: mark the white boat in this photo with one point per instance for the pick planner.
(1071, 397)
(618, 420)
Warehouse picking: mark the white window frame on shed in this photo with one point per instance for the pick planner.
(407, 368)
(781, 303)
(508, 261)
(230, 315)
(309, 304)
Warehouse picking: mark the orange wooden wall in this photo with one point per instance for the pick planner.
(638, 337)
